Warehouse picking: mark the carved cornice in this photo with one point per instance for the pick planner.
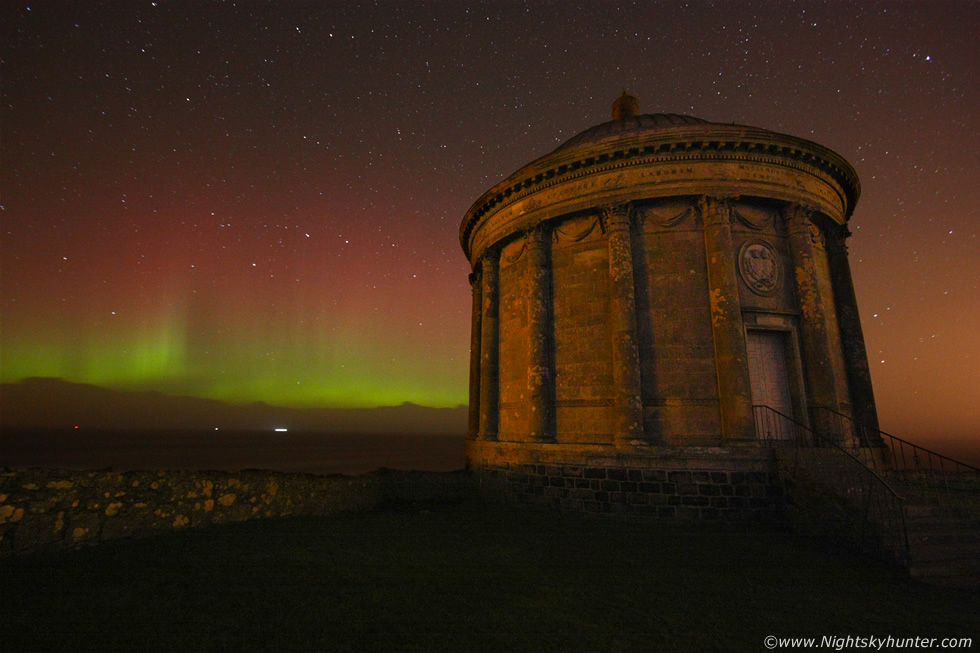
(683, 145)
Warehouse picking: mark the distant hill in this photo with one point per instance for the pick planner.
(46, 402)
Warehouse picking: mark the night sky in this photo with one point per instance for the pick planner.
(261, 201)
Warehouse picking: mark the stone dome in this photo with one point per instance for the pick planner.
(632, 126)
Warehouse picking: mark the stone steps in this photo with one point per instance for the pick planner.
(943, 543)
(962, 500)
(953, 573)
(943, 548)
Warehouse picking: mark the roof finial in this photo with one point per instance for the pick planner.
(625, 106)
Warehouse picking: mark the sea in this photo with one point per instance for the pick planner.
(220, 450)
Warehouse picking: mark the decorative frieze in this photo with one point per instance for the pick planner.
(751, 151)
(562, 233)
(667, 217)
(753, 219)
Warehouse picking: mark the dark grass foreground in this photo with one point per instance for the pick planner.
(460, 579)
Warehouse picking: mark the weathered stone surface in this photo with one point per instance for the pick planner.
(61, 509)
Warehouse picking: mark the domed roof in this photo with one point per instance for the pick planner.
(636, 157)
(629, 126)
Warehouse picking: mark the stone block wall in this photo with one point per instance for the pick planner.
(695, 496)
(57, 509)
(695, 484)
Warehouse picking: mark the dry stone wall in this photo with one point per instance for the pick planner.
(57, 509)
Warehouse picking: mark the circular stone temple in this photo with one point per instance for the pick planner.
(647, 297)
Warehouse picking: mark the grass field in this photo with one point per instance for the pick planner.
(461, 578)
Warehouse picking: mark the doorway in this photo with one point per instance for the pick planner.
(769, 375)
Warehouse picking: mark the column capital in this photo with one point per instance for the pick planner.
(798, 214)
(491, 254)
(837, 238)
(474, 278)
(615, 217)
(538, 236)
(799, 219)
(715, 210)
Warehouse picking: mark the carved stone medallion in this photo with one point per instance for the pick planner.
(759, 265)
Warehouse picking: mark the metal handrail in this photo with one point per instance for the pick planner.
(866, 490)
(953, 484)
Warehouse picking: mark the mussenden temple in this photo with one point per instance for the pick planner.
(661, 306)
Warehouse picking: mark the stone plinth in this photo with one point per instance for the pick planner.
(726, 484)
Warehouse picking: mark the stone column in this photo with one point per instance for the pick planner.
(804, 239)
(476, 335)
(727, 329)
(622, 308)
(852, 337)
(490, 346)
(540, 371)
